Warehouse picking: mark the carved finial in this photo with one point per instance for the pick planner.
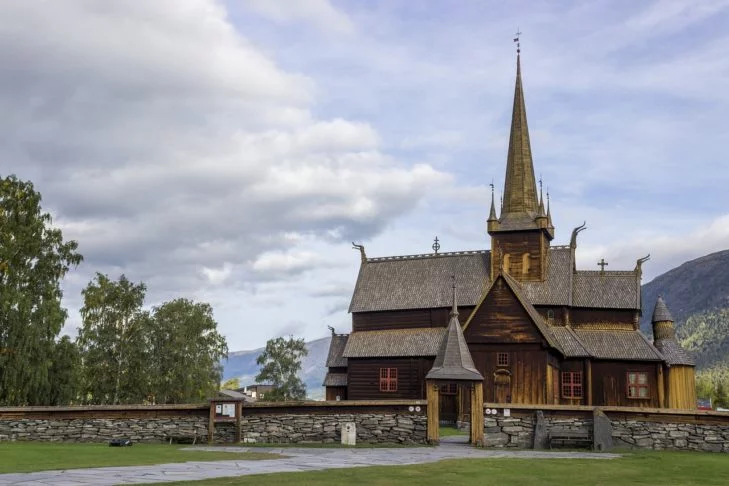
(436, 245)
(361, 249)
(332, 329)
(639, 264)
(575, 232)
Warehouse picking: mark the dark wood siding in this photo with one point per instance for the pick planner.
(609, 385)
(527, 371)
(558, 315)
(333, 392)
(516, 245)
(363, 380)
(372, 321)
(607, 318)
(501, 319)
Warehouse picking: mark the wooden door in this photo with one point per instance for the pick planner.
(502, 386)
(448, 403)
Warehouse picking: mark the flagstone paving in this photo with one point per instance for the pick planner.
(297, 459)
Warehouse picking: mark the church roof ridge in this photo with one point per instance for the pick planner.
(607, 273)
(427, 255)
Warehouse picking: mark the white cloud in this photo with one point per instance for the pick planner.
(320, 13)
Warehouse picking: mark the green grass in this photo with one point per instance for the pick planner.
(18, 457)
(332, 445)
(643, 468)
(446, 431)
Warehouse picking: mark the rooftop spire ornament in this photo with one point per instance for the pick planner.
(516, 39)
(602, 264)
(436, 245)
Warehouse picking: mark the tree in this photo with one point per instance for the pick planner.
(112, 341)
(230, 384)
(280, 363)
(185, 352)
(34, 258)
(65, 373)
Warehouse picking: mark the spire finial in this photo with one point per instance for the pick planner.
(454, 310)
(492, 213)
(518, 43)
(436, 245)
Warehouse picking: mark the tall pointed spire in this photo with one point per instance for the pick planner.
(520, 186)
(492, 213)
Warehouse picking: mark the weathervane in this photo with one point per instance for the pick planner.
(516, 39)
(436, 245)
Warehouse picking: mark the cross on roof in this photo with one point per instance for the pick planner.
(602, 264)
(436, 245)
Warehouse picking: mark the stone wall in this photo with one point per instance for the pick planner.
(147, 429)
(678, 436)
(372, 427)
(658, 430)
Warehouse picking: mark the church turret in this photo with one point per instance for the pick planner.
(523, 230)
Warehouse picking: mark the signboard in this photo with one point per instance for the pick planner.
(225, 411)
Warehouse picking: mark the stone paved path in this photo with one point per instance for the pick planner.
(299, 459)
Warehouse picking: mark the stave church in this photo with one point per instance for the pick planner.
(527, 323)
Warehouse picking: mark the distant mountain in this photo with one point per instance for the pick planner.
(242, 365)
(697, 294)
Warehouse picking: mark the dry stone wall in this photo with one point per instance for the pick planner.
(678, 436)
(518, 431)
(371, 428)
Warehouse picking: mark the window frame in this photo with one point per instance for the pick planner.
(637, 385)
(499, 361)
(572, 385)
(448, 389)
(388, 380)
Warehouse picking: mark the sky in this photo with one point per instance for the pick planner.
(231, 151)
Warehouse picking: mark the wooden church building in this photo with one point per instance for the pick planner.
(538, 330)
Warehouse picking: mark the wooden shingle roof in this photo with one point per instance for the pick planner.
(421, 282)
(336, 350)
(618, 345)
(335, 379)
(673, 353)
(419, 341)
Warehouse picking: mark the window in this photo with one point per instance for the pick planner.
(506, 263)
(388, 379)
(525, 263)
(571, 384)
(637, 385)
(448, 389)
(550, 316)
(502, 359)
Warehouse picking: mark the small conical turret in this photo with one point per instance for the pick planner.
(664, 337)
(662, 321)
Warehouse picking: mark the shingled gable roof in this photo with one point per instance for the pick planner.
(394, 343)
(336, 349)
(612, 290)
(536, 318)
(454, 361)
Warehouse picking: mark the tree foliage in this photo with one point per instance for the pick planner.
(185, 352)
(280, 364)
(112, 341)
(714, 383)
(33, 260)
(65, 373)
(230, 384)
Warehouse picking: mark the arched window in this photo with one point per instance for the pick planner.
(550, 315)
(525, 263)
(506, 262)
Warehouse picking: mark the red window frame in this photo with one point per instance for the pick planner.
(572, 384)
(388, 379)
(637, 386)
(502, 359)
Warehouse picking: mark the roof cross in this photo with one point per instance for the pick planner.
(602, 264)
(436, 245)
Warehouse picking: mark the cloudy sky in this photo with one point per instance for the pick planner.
(231, 151)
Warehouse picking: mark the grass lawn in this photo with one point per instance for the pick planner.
(642, 468)
(446, 431)
(39, 456)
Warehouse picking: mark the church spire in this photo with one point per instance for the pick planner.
(492, 213)
(520, 187)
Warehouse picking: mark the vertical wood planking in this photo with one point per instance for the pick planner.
(477, 414)
(211, 422)
(588, 373)
(431, 391)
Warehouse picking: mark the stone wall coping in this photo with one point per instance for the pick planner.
(101, 408)
(334, 403)
(591, 408)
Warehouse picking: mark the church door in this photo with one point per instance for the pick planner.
(502, 386)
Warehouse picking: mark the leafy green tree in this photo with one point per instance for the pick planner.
(113, 341)
(65, 373)
(185, 352)
(280, 364)
(34, 258)
(230, 384)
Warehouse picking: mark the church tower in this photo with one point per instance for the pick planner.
(521, 234)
